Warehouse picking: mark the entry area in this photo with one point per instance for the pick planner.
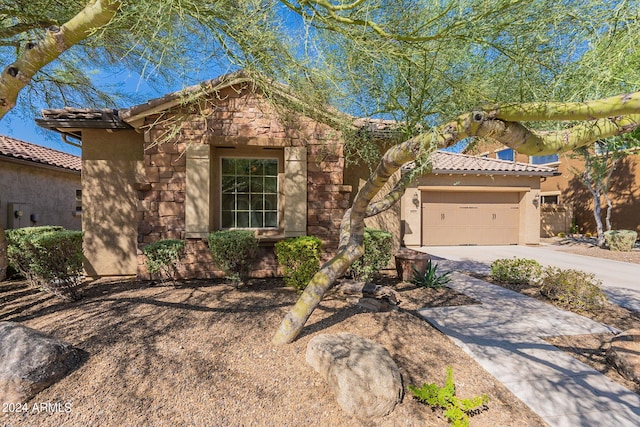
(470, 218)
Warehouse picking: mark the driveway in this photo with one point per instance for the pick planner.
(620, 280)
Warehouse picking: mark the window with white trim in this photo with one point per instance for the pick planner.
(249, 193)
(507, 154)
(543, 160)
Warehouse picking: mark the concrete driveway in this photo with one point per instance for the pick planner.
(620, 280)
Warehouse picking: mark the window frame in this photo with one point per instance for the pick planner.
(220, 194)
(513, 154)
(553, 162)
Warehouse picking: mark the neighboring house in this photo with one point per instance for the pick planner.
(38, 186)
(565, 200)
(234, 164)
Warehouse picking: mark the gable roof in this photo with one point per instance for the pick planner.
(447, 162)
(17, 149)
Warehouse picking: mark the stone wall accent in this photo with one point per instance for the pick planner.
(236, 117)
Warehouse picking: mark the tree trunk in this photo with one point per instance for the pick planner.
(597, 214)
(4, 261)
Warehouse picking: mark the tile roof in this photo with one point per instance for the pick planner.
(446, 162)
(10, 147)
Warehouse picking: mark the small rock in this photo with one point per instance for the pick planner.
(624, 354)
(31, 361)
(365, 380)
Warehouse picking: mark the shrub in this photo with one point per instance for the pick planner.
(621, 240)
(163, 258)
(456, 410)
(562, 235)
(50, 258)
(233, 252)
(377, 253)
(430, 278)
(516, 270)
(299, 258)
(572, 288)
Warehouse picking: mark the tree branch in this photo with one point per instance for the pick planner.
(16, 76)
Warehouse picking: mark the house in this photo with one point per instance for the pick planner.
(566, 201)
(38, 186)
(233, 164)
(237, 161)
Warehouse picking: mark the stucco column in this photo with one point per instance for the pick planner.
(295, 191)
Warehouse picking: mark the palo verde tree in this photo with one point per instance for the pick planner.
(506, 63)
(599, 163)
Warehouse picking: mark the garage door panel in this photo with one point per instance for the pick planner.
(470, 218)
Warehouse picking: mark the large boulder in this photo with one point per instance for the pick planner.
(624, 354)
(365, 380)
(31, 361)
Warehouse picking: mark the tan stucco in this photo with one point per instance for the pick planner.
(526, 187)
(48, 193)
(198, 191)
(109, 165)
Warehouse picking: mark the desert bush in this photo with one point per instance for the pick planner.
(516, 270)
(572, 288)
(456, 410)
(562, 235)
(430, 278)
(299, 258)
(163, 258)
(50, 258)
(621, 240)
(377, 253)
(233, 252)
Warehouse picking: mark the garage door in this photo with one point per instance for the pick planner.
(469, 218)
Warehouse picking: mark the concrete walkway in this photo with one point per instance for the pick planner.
(504, 334)
(620, 280)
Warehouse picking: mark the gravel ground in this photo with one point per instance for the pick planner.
(588, 247)
(200, 355)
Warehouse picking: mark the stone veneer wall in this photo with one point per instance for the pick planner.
(237, 117)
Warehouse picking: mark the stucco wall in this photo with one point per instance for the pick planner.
(110, 201)
(48, 193)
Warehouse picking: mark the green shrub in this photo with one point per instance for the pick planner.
(233, 252)
(430, 278)
(50, 258)
(516, 270)
(572, 288)
(377, 253)
(621, 240)
(299, 258)
(562, 235)
(163, 258)
(456, 410)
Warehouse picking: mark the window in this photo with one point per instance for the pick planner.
(249, 196)
(549, 199)
(542, 160)
(507, 154)
(78, 210)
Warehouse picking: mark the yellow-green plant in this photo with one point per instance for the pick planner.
(299, 258)
(456, 410)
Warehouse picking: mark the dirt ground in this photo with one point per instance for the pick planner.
(200, 355)
(587, 246)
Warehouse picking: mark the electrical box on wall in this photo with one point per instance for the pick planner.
(18, 215)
